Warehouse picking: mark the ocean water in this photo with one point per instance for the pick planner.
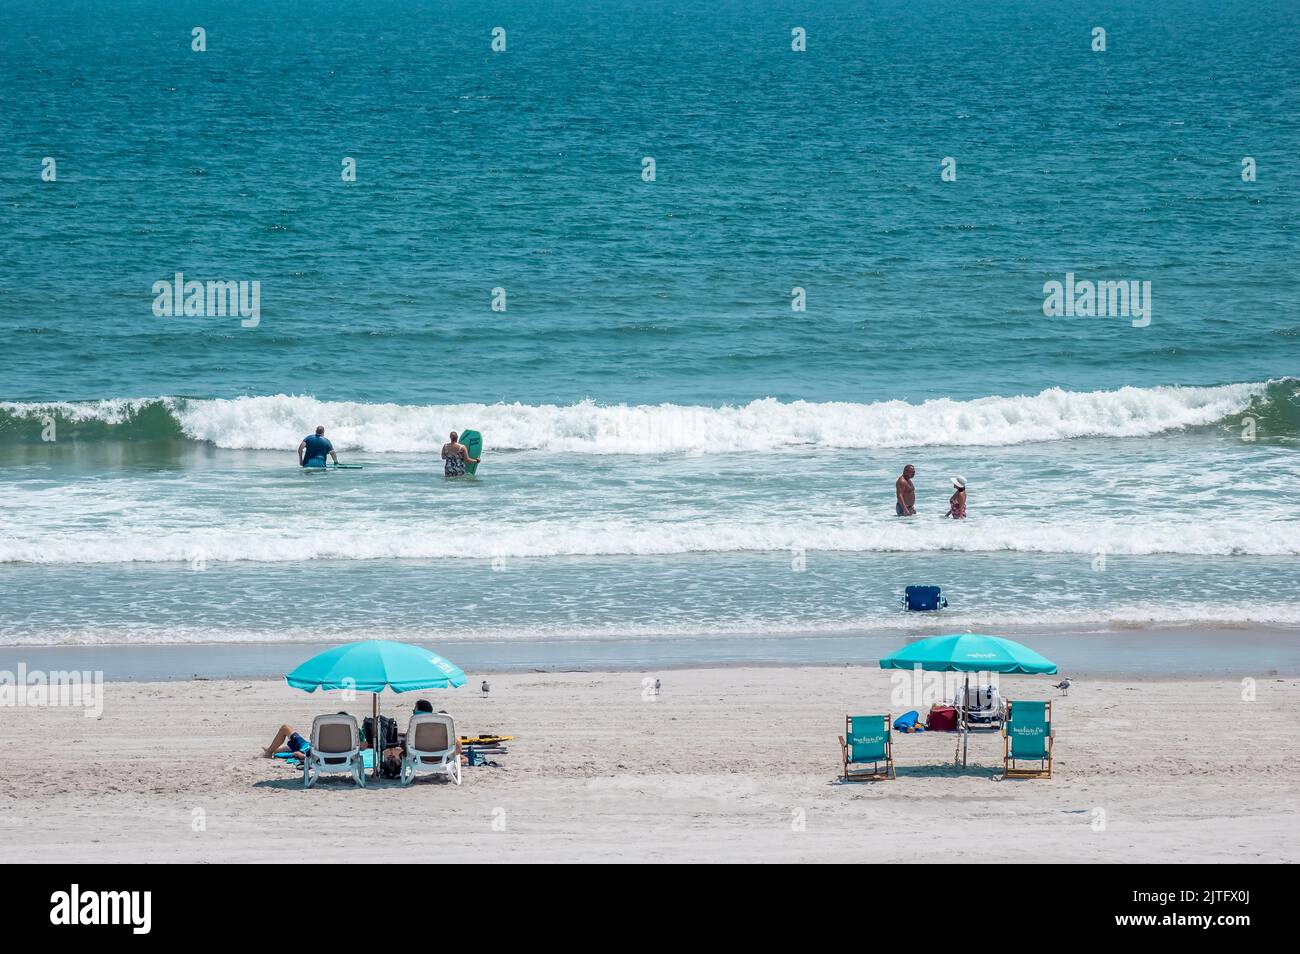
(672, 450)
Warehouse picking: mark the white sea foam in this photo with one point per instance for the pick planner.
(378, 539)
(1036, 618)
(279, 421)
(271, 422)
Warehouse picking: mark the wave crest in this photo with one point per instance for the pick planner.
(279, 421)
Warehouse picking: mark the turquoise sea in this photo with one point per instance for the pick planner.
(673, 451)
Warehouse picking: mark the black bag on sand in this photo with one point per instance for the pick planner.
(391, 766)
(386, 725)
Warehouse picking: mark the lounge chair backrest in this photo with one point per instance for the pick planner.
(1029, 729)
(982, 698)
(335, 734)
(868, 738)
(431, 733)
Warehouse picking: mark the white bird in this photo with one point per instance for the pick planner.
(1064, 686)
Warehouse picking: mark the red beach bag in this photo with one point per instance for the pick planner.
(942, 719)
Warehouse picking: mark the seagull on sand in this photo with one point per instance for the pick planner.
(1064, 686)
(486, 688)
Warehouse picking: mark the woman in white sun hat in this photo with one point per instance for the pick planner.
(957, 502)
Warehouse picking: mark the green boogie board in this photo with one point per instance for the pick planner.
(473, 442)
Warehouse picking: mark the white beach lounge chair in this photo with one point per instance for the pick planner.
(981, 707)
(431, 747)
(335, 747)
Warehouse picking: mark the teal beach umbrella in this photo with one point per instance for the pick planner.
(969, 652)
(373, 666)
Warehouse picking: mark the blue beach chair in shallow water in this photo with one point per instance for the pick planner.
(923, 599)
(1027, 737)
(866, 740)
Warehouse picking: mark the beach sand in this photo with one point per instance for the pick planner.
(728, 764)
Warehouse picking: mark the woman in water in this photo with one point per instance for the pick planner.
(455, 456)
(957, 502)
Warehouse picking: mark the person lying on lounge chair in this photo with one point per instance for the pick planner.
(288, 740)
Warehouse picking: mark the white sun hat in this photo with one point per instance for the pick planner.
(959, 482)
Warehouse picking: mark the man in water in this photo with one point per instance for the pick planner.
(314, 447)
(905, 493)
(455, 456)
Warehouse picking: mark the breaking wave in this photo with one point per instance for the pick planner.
(279, 421)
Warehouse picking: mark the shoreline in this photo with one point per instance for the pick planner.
(1157, 652)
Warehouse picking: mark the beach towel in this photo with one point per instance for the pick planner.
(907, 722)
(291, 758)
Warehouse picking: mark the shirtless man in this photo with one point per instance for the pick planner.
(905, 493)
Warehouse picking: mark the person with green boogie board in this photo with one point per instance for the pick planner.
(313, 448)
(455, 456)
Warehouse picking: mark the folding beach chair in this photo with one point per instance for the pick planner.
(335, 747)
(866, 740)
(1027, 737)
(923, 599)
(981, 707)
(430, 747)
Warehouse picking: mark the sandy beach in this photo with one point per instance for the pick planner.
(728, 764)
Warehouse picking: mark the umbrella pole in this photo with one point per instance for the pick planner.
(374, 731)
(965, 728)
(961, 724)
